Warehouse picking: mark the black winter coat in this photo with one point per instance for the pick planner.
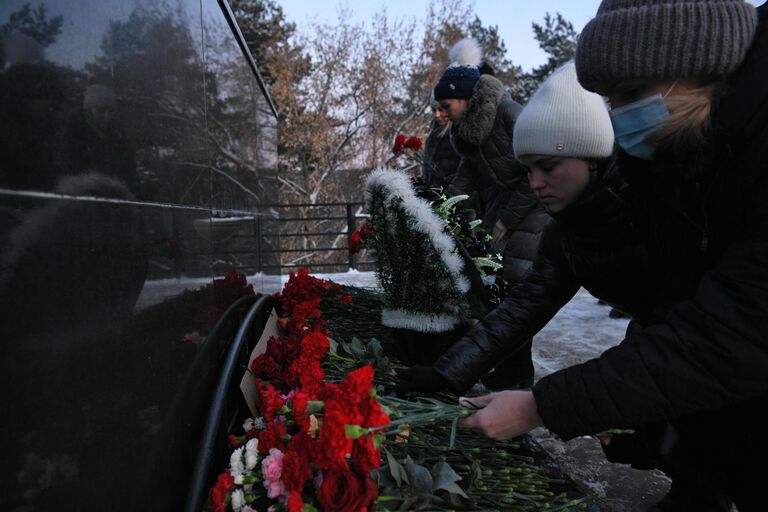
(590, 245)
(707, 221)
(441, 160)
(490, 170)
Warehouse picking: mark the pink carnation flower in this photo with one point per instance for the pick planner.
(272, 469)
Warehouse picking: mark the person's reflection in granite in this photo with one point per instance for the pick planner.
(92, 137)
(70, 274)
(32, 92)
(71, 270)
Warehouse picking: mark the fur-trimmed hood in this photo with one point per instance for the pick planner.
(480, 117)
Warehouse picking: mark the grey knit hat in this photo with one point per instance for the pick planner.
(663, 40)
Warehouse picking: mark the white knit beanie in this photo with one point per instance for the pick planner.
(564, 119)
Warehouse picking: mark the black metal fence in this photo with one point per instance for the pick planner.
(316, 236)
(273, 240)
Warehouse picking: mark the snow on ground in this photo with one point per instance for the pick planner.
(580, 331)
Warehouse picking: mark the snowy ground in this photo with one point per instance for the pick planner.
(580, 331)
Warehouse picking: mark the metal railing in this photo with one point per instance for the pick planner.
(319, 234)
(273, 239)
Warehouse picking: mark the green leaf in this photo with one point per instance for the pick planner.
(453, 488)
(357, 348)
(443, 476)
(375, 350)
(334, 346)
(452, 439)
(453, 201)
(420, 478)
(396, 470)
(485, 262)
(384, 479)
(409, 503)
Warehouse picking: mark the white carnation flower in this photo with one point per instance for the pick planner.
(251, 454)
(251, 459)
(237, 500)
(236, 466)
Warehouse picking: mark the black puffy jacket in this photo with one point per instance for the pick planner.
(708, 347)
(590, 245)
(441, 160)
(490, 172)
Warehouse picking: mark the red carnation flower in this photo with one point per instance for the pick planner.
(220, 492)
(269, 402)
(372, 412)
(305, 373)
(315, 346)
(357, 384)
(413, 143)
(399, 144)
(355, 241)
(264, 367)
(365, 454)
(306, 317)
(299, 405)
(296, 470)
(272, 437)
(295, 503)
(346, 299)
(366, 230)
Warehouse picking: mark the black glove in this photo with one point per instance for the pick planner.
(420, 378)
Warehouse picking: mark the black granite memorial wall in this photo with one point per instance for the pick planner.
(137, 141)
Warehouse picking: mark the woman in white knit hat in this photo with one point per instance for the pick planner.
(565, 140)
(560, 137)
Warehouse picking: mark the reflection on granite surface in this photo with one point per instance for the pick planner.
(136, 147)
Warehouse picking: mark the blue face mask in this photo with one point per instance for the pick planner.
(634, 122)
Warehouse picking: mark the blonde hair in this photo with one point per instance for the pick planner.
(689, 121)
(438, 130)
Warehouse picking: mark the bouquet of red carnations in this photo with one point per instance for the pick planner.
(316, 442)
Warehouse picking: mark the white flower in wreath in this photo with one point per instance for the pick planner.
(251, 454)
(237, 500)
(236, 466)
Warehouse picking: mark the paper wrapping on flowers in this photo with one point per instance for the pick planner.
(248, 383)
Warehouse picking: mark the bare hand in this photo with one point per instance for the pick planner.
(499, 231)
(503, 415)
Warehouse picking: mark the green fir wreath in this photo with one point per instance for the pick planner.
(418, 267)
